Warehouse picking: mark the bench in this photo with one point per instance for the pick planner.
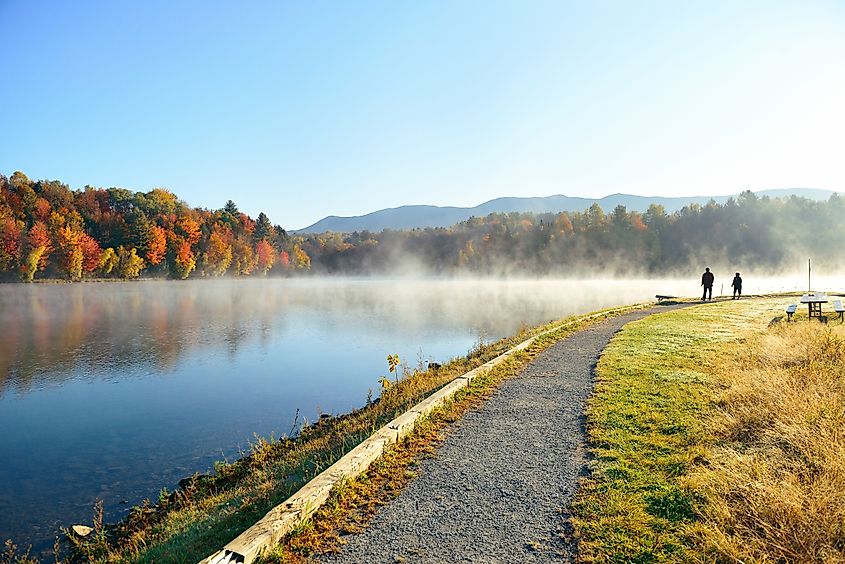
(790, 311)
(837, 307)
(661, 297)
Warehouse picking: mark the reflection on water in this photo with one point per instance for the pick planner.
(114, 390)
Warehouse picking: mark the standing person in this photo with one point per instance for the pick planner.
(737, 286)
(707, 281)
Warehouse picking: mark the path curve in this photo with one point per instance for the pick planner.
(498, 487)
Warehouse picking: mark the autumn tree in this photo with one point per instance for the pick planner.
(189, 229)
(39, 237)
(265, 255)
(31, 265)
(70, 252)
(24, 196)
(159, 201)
(244, 260)
(91, 253)
(284, 260)
(108, 261)
(129, 264)
(41, 209)
(183, 262)
(218, 253)
(11, 243)
(301, 260)
(157, 246)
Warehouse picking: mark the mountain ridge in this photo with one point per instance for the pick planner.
(412, 216)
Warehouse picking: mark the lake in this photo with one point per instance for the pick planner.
(115, 390)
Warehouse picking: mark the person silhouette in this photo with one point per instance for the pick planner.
(737, 286)
(707, 281)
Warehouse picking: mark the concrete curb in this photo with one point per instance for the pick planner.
(286, 516)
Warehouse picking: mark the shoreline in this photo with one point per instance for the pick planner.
(334, 435)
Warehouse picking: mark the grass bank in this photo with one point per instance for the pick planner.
(350, 507)
(210, 510)
(717, 436)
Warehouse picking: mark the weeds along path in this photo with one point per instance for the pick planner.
(499, 485)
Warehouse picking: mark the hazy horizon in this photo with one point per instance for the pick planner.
(356, 106)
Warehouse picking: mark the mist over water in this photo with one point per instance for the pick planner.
(113, 391)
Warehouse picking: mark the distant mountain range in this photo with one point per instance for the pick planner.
(419, 216)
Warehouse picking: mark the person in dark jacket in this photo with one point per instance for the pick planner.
(737, 286)
(707, 281)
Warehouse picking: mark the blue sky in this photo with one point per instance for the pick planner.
(306, 109)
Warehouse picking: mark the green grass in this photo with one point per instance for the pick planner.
(351, 507)
(216, 508)
(645, 421)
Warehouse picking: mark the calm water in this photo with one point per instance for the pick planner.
(114, 391)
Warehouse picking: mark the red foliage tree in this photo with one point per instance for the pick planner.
(91, 252)
(39, 236)
(41, 210)
(11, 232)
(266, 254)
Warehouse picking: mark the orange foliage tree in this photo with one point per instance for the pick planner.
(156, 246)
(41, 209)
(189, 229)
(184, 261)
(11, 232)
(266, 254)
(284, 260)
(218, 254)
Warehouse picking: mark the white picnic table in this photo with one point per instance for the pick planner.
(814, 301)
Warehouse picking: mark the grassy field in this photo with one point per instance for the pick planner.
(717, 436)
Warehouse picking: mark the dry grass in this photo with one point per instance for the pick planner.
(774, 484)
(718, 436)
(644, 421)
(194, 521)
(210, 510)
(351, 507)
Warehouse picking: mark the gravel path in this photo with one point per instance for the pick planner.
(498, 487)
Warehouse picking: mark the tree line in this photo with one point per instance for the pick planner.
(48, 230)
(746, 232)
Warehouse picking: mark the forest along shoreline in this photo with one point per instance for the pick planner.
(49, 231)
(209, 510)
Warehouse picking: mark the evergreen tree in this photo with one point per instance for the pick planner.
(263, 228)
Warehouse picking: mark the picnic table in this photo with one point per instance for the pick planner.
(814, 301)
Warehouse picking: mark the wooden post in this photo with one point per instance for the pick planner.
(809, 274)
